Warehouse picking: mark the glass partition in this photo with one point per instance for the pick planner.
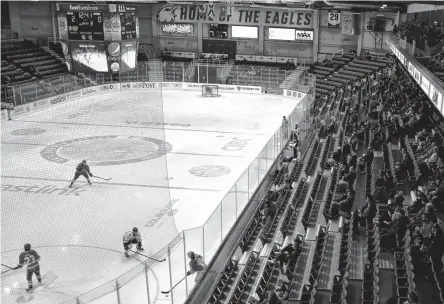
(143, 283)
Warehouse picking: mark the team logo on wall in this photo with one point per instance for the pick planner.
(347, 20)
(114, 49)
(167, 14)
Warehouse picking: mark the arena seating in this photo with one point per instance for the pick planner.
(25, 60)
(335, 252)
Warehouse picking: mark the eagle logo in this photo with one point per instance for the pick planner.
(167, 14)
(347, 19)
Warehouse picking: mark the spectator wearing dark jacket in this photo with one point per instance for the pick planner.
(368, 212)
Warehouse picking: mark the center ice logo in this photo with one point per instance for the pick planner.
(167, 14)
(107, 150)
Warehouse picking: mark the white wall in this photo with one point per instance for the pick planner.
(417, 7)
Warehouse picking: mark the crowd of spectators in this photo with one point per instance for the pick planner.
(425, 33)
(407, 112)
(403, 111)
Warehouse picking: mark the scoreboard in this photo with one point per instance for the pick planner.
(128, 25)
(85, 25)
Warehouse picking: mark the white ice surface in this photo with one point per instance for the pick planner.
(79, 236)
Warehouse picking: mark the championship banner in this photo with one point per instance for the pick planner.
(347, 23)
(234, 15)
(334, 20)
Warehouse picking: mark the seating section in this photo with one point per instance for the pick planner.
(23, 61)
(250, 74)
(332, 247)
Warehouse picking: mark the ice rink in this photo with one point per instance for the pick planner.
(191, 163)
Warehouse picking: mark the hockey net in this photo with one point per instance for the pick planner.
(210, 91)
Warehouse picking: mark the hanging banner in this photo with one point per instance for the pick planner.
(425, 85)
(334, 20)
(347, 23)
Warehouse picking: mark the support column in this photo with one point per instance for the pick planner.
(316, 22)
(261, 40)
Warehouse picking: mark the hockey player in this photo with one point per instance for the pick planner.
(81, 169)
(196, 265)
(132, 237)
(31, 258)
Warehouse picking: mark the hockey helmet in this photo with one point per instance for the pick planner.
(27, 247)
(135, 229)
(190, 254)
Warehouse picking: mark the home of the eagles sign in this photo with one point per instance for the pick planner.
(215, 13)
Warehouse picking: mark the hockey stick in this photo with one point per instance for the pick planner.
(107, 179)
(10, 268)
(167, 292)
(6, 271)
(148, 256)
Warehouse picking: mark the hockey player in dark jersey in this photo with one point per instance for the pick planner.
(132, 237)
(81, 169)
(31, 259)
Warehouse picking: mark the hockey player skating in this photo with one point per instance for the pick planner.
(197, 265)
(81, 169)
(130, 238)
(31, 258)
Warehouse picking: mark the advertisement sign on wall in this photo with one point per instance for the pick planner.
(218, 13)
(347, 23)
(435, 97)
(334, 20)
(417, 76)
(304, 35)
(425, 85)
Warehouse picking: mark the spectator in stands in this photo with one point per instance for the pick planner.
(350, 177)
(395, 231)
(284, 255)
(395, 30)
(369, 156)
(368, 212)
(337, 155)
(380, 184)
(398, 199)
(436, 246)
(273, 296)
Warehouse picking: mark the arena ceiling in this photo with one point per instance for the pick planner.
(359, 6)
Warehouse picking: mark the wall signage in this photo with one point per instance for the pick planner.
(216, 13)
(304, 35)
